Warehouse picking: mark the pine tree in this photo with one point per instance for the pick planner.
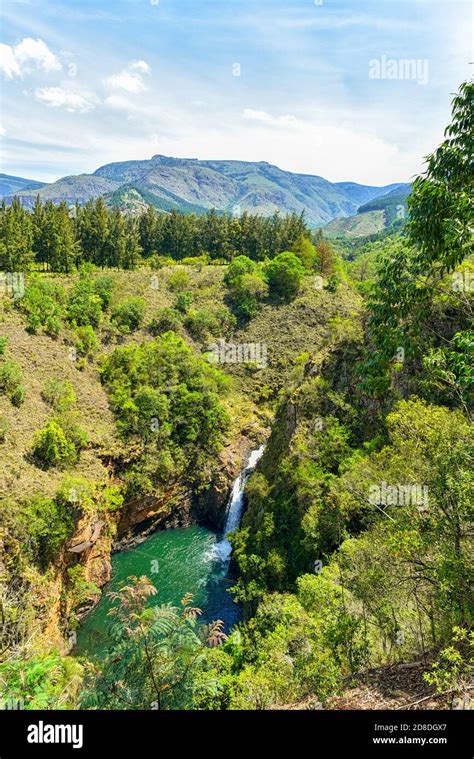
(147, 227)
(116, 244)
(132, 250)
(16, 238)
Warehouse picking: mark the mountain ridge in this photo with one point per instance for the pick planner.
(193, 185)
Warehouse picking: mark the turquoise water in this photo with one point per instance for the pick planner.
(177, 561)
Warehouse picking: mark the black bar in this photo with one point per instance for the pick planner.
(109, 734)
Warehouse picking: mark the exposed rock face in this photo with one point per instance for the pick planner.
(179, 508)
(92, 544)
(140, 518)
(86, 543)
(211, 505)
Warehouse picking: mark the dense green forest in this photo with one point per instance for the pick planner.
(355, 549)
(59, 238)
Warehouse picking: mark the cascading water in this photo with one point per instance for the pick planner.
(190, 559)
(223, 549)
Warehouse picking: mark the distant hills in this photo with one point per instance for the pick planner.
(386, 210)
(191, 185)
(17, 185)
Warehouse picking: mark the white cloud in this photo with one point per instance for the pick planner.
(130, 78)
(140, 66)
(281, 121)
(58, 97)
(8, 63)
(16, 61)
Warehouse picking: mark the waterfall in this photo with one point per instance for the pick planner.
(223, 548)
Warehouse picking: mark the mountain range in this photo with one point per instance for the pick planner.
(17, 185)
(387, 210)
(191, 185)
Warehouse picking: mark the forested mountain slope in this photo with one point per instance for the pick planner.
(192, 185)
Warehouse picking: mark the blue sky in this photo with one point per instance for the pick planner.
(87, 82)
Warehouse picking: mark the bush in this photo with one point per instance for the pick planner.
(58, 444)
(333, 283)
(49, 524)
(246, 292)
(179, 281)
(304, 249)
(52, 448)
(198, 261)
(3, 345)
(201, 323)
(159, 262)
(129, 314)
(103, 287)
(43, 304)
(166, 320)
(86, 341)
(4, 426)
(59, 394)
(284, 274)
(18, 395)
(73, 431)
(85, 306)
(184, 301)
(237, 268)
(10, 377)
(168, 396)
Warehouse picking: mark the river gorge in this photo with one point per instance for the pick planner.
(192, 559)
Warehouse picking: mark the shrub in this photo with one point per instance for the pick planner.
(333, 283)
(159, 262)
(18, 395)
(237, 268)
(179, 281)
(246, 292)
(73, 431)
(304, 249)
(49, 524)
(165, 382)
(129, 314)
(198, 261)
(201, 323)
(183, 301)
(43, 304)
(103, 287)
(167, 319)
(87, 342)
(3, 345)
(284, 274)
(4, 426)
(85, 306)
(58, 443)
(59, 394)
(52, 448)
(10, 377)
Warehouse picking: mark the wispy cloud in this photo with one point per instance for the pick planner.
(130, 79)
(286, 120)
(60, 97)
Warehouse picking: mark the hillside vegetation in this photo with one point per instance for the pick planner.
(140, 357)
